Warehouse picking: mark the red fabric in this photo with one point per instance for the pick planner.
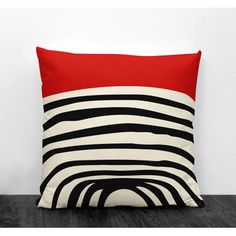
(62, 71)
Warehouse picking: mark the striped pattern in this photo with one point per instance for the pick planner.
(118, 145)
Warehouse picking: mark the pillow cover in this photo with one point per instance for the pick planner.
(118, 130)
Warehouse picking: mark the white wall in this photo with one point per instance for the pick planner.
(153, 31)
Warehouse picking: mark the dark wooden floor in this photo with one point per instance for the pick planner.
(20, 211)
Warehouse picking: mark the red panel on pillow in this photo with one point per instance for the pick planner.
(63, 71)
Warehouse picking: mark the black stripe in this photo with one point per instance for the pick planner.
(75, 193)
(113, 162)
(66, 181)
(108, 129)
(139, 97)
(166, 148)
(97, 112)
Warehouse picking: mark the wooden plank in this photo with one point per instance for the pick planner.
(20, 211)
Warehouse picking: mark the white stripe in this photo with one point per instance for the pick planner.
(124, 137)
(158, 92)
(117, 154)
(94, 199)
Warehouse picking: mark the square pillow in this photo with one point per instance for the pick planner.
(118, 130)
